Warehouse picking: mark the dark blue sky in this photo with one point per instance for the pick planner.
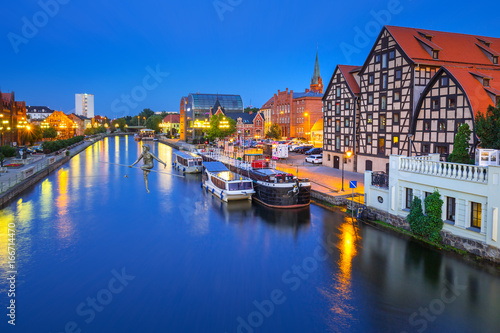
(252, 48)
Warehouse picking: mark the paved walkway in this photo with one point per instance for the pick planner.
(14, 175)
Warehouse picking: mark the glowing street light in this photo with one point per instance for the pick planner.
(347, 155)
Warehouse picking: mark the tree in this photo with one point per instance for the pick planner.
(49, 133)
(146, 113)
(33, 134)
(460, 152)
(215, 130)
(154, 122)
(248, 109)
(274, 132)
(121, 123)
(488, 127)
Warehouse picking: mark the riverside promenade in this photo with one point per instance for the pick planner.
(325, 181)
(16, 180)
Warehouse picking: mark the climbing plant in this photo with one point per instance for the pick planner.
(427, 225)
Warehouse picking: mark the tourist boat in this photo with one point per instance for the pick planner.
(187, 162)
(225, 184)
(147, 134)
(277, 189)
(137, 137)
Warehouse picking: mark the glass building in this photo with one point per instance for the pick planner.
(200, 104)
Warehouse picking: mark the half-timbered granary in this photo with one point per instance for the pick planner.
(396, 72)
(452, 98)
(340, 105)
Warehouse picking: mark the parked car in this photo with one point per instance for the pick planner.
(315, 159)
(303, 149)
(314, 151)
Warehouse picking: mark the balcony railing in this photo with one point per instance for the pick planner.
(457, 171)
(380, 179)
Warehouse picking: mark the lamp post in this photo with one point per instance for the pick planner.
(308, 125)
(347, 154)
(3, 127)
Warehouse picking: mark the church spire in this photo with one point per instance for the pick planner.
(316, 81)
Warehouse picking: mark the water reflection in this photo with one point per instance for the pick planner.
(284, 219)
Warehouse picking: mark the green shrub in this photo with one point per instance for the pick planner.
(430, 224)
(8, 151)
(53, 146)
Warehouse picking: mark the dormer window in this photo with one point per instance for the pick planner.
(485, 42)
(426, 36)
(495, 60)
(486, 82)
(435, 54)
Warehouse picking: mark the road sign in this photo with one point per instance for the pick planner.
(353, 184)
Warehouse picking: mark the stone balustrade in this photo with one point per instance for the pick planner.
(457, 171)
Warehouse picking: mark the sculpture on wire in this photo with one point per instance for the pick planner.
(148, 158)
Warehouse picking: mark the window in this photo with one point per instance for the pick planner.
(369, 119)
(398, 74)
(337, 142)
(384, 60)
(397, 96)
(369, 139)
(435, 103)
(426, 148)
(329, 122)
(486, 82)
(329, 157)
(330, 106)
(337, 125)
(370, 99)
(450, 209)
(377, 58)
(347, 104)
(495, 60)
(451, 102)
(409, 197)
(384, 81)
(384, 42)
(337, 108)
(435, 54)
(338, 91)
(383, 102)
(458, 124)
(346, 122)
(395, 118)
(444, 81)
(426, 194)
(329, 141)
(442, 125)
(392, 55)
(346, 141)
(475, 215)
(370, 79)
(427, 125)
(382, 123)
(381, 145)
(439, 149)
(395, 140)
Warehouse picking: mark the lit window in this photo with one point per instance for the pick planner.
(475, 219)
(382, 122)
(395, 139)
(370, 119)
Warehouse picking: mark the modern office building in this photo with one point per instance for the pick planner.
(84, 105)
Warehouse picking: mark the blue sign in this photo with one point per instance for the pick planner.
(353, 184)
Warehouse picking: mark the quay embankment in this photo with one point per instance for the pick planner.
(15, 181)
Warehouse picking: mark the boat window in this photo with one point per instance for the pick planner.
(240, 186)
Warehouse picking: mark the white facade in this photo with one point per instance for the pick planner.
(470, 194)
(84, 105)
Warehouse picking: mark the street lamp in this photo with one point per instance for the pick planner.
(347, 154)
(308, 132)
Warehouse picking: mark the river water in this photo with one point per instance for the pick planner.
(96, 253)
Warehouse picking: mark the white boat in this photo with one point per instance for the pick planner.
(225, 184)
(187, 162)
(147, 134)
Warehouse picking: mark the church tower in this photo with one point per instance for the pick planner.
(317, 81)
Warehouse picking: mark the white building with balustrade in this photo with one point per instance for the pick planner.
(470, 194)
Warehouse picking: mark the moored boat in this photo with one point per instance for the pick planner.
(225, 184)
(147, 134)
(187, 162)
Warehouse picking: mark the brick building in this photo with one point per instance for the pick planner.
(12, 119)
(248, 125)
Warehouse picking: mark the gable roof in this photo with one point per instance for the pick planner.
(247, 118)
(348, 72)
(455, 48)
(268, 104)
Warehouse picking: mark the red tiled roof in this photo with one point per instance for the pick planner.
(172, 118)
(476, 92)
(268, 103)
(348, 71)
(454, 47)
